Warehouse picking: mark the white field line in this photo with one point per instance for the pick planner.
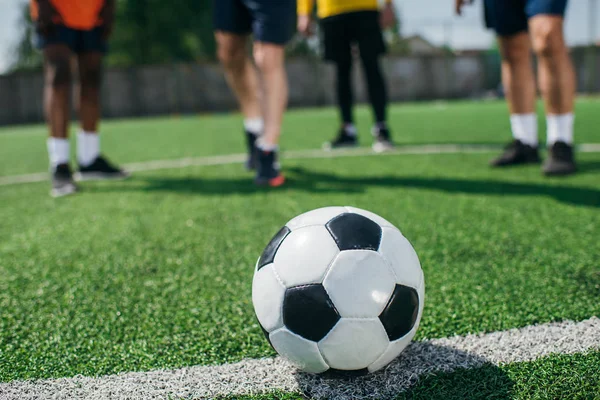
(289, 155)
(266, 375)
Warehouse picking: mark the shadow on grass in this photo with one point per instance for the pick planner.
(423, 371)
(320, 182)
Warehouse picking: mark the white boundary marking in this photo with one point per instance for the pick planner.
(267, 375)
(289, 155)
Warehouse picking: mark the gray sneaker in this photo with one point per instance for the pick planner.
(62, 181)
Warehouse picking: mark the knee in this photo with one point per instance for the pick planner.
(91, 77)
(516, 53)
(231, 56)
(58, 72)
(547, 37)
(268, 58)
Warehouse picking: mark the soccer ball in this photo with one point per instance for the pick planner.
(339, 290)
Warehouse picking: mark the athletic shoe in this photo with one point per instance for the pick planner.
(62, 181)
(342, 140)
(383, 141)
(252, 162)
(100, 169)
(516, 153)
(269, 173)
(561, 160)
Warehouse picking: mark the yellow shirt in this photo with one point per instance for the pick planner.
(329, 8)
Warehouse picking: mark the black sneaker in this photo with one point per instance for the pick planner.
(268, 173)
(252, 162)
(383, 140)
(342, 140)
(100, 169)
(561, 160)
(62, 181)
(516, 153)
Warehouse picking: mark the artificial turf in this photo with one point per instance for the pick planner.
(155, 272)
(22, 149)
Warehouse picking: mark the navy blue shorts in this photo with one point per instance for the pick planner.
(271, 21)
(77, 40)
(509, 17)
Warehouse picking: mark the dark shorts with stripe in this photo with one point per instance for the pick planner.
(271, 21)
(78, 41)
(341, 31)
(509, 17)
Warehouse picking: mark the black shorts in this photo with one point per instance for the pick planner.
(271, 21)
(509, 17)
(78, 41)
(341, 31)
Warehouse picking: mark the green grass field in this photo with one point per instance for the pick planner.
(155, 272)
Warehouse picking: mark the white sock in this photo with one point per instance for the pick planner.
(560, 128)
(266, 146)
(256, 126)
(88, 147)
(350, 129)
(58, 151)
(525, 128)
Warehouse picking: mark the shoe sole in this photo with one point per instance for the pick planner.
(514, 164)
(275, 182)
(66, 191)
(560, 173)
(382, 148)
(98, 176)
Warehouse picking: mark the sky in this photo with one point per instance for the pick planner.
(432, 19)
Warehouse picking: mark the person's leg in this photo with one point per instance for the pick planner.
(338, 51)
(519, 87)
(269, 59)
(508, 19)
(91, 47)
(558, 85)
(232, 22)
(344, 92)
(57, 88)
(372, 46)
(239, 72)
(273, 26)
(90, 76)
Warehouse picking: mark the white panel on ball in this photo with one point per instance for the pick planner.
(398, 251)
(354, 344)
(267, 297)
(320, 216)
(360, 283)
(301, 352)
(392, 352)
(372, 216)
(305, 255)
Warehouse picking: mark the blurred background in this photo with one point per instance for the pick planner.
(162, 59)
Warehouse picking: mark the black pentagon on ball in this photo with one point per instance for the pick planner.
(401, 312)
(355, 232)
(309, 312)
(268, 254)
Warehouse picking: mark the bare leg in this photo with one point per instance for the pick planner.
(519, 85)
(90, 79)
(556, 73)
(239, 72)
(57, 86)
(270, 61)
(517, 73)
(558, 85)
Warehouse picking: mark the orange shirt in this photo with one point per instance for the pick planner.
(75, 14)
